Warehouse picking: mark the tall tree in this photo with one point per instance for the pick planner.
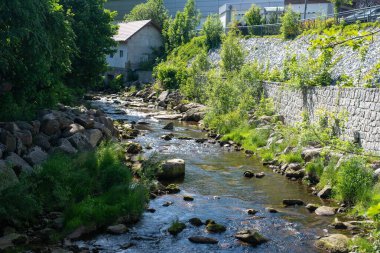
(93, 29)
(152, 9)
(182, 28)
(36, 47)
(213, 30)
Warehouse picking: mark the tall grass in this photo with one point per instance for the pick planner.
(92, 187)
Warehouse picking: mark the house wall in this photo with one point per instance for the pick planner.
(116, 61)
(141, 44)
(314, 10)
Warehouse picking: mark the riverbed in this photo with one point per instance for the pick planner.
(214, 177)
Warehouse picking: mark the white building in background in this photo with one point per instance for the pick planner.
(135, 44)
(315, 8)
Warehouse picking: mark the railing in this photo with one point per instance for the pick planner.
(368, 14)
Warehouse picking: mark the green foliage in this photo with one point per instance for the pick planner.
(117, 83)
(92, 187)
(354, 182)
(170, 75)
(338, 3)
(93, 42)
(181, 29)
(213, 30)
(290, 24)
(315, 169)
(291, 157)
(253, 17)
(152, 9)
(232, 54)
(176, 227)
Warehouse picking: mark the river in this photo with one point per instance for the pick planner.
(214, 177)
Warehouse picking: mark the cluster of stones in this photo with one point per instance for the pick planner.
(25, 144)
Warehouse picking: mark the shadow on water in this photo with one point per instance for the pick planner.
(214, 177)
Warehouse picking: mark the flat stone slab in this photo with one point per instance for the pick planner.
(169, 116)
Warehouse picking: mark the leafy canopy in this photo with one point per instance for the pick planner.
(152, 9)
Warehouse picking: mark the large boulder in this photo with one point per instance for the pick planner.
(80, 142)
(94, 136)
(163, 96)
(18, 164)
(73, 129)
(117, 229)
(36, 156)
(335, 243)
(195, 114)
(7, 176)
(42, 140)
(3, 148)
(250, 236)
(85, 122)
(293, 202)
(25, 136)
(202, 240)
(170, 169)
(311, 153)
(64, 146)
(11, 240)
(50, 124)
(8, 140)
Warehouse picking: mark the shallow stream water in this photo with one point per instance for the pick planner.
(214, 177)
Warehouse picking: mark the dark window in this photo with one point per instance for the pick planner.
(121, 53)
(111, 55)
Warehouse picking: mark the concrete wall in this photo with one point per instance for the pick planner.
(361, 104)
(115, 60)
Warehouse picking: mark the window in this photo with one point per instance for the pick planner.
(121, 53)
(111, 55)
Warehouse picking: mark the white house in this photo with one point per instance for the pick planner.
(136, 42)
(314, 8)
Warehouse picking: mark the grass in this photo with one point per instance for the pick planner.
(176, 227)
(92, 187)
(292, 157)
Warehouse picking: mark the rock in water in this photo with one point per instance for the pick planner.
(176, 228)
(117, 229)
(335, 243)
(249, 174)
(196, 222)
(293, 202)
(169, 126)
(203, 240)
(250, 236)
(170, 169)
(325, 211)
(215, 228)
(172, 189)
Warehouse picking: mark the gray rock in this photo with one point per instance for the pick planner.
(311, 153)
(312, 207)
(8, 140)
(335, 243)
(85, 122)
(163, 96)
(117, 229)
(7, 176)
(36, 156)
(50, 125)
(325, 193)
(170, 169)
(80, 142)
(18, 164)
(169, 126)
(65, 146)
(325, 211)
(73, 129)
(42, 140)
(3, 148)
(25, 136)
(81, 232)
(94, 136)
(250, 236)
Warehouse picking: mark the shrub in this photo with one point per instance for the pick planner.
(170, 75)
(314, 169)
(291, 157)
(213, 30)
(232, 53)
(354, 182)
(253, 17)
(290, 24)
(117, 83)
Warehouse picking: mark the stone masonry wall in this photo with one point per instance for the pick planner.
(361, 104)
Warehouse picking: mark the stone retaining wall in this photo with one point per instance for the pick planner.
(361, 104)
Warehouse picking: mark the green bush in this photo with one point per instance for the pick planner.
(315, 169)
(354, 182)
(117, 83)
(213, 30)
(232, 54)
(170, 75)
(91, 187)
(253, 17)
(290, 27)
(291, 157)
